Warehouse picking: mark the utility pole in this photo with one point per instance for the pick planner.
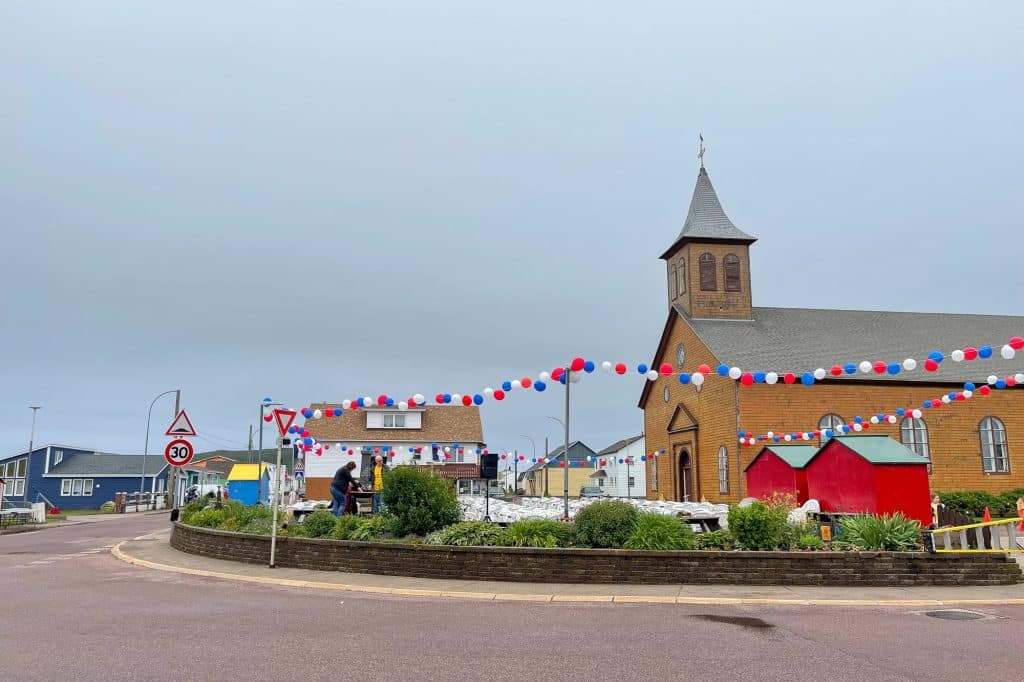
(172, 472)
(545, 467)
(31, 444)
(566, 482)
(259, 466)
(249, 458)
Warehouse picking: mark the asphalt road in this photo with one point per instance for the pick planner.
(73, 612)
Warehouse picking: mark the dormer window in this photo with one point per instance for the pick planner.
(393, 421)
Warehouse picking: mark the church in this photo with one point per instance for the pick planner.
(977, 444)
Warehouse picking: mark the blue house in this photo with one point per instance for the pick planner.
(246, 486)
(78, 478)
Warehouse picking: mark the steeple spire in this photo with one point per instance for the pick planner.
(706, 220)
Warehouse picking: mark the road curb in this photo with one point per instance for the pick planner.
(121, 555)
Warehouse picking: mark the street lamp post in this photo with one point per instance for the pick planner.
(31, 444)
(629, 491)
(534, 446)
(149, 418)
(565, 452)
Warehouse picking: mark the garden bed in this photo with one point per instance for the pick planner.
(565, 565)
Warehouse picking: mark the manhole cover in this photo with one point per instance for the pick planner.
(955, 614)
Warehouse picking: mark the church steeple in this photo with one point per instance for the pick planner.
(708, 263)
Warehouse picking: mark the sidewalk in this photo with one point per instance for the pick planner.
(154, 551)
(76, 520)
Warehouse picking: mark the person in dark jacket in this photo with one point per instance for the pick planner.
(342, 484)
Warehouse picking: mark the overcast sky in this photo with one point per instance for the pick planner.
(318, 201)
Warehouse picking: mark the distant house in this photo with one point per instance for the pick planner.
(431, 434)
(620, 471)
(79, 478)
(247, 486)
(549, 479)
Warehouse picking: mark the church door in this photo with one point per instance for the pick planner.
(685, 477)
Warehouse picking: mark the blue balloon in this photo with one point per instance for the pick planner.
(455, 445)
(850, 368)
(267, 400)
(359, 402)
(760, 437)
(927, 404)
(478, 399)
(894, 368)
(684, 378)
(759, 377)
(829, 433)
(479, 451)
(433, 445)
(663, 451)
(563, 377)
(740, 434)
(900, 412)
(1001, 383)
(859, 420)
(307, 441)
(776, 439)
(620, 460)
(968, 386)
(952, 395)
(588, 366)
(307, 413)
(337, 411)
(936, 356)
(807, 379)
(389, 402)
(643, 458)
(447, 397)
(641, 368)
(985, 352)
(506, 386)
(723, 370)
(539, 386)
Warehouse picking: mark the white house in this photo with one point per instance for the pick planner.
(619, 470)
(431, 434)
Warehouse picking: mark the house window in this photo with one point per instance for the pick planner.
(76, 487)
(708, 282)
(994, 459)
(87, 487)
(58, 457)
(732, 273)
(65, 487)
(394, 421)
(681, 276)
(723, 470)
(672, 281)
(831, 422)
(600, 482)
(632, 481)
(654, 472)
(914, 434)
(14, 475)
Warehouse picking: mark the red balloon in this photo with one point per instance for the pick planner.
(439, 398)
(350, 452)
(880, 367)
(328, 413)
(789, 378)
(522, 458)
(411, 402)
(376, 450)
(577, 364)
(665, 369)
(866, 425)
(836, 370)
(1016, 343)
(620, 368)
(503, 455)
(467, 401)
(268, 417)
(305, 434)
(391, 454)
(499, 394)
(747, 379)
(817, 434)
(931, 365)
(602, 462)
(704, 369)
(561, 464)
(526, 382)
(556, 373)
(447, 455)
(382, 400)
(984, 390)
(970, 353)
(960, 397)
(1010, 381)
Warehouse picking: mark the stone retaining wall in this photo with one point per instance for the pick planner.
(606, 566)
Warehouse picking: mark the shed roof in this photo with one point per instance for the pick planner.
(246, 472)
(796, 456)
(878, 449)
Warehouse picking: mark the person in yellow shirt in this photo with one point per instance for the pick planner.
(377, 482)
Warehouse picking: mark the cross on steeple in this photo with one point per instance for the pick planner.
(700, 154)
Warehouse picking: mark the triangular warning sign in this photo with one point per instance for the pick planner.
(284, 419)
(181, 426)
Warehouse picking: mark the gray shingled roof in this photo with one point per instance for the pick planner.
(706, 219)
(111, 465)
(619, 444)
(791, 339)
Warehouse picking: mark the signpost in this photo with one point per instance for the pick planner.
(284, 419)
(178, 452)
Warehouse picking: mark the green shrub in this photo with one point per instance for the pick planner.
(889, 533)
(207, 518)
(295, 530)
(107, 507)
(606, 524)
(810, 541)
(791, 534)
(717, 539)
(257, 526)
(435, 538)
(253, 512)
(230, 523)
(420, 500)
(344, 526)
(471, 534)
(319, 523)
(373, 528)
(659, 532)
(537, 533)
(758, 526)
(188, 512)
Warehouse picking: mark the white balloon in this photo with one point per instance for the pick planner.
(770, 434)
(874, 420)
(545, 376)
(346, 404)
(968, 394)
(858, 427)
(865, 366)
(652, 375)
(743, 441)
(992, 379)
(447, 449)
(1007, 352)
(606, 366)
(516, 383)
(735, 373)
(1019, 377)
(916, 414)
(891, 419)
(946, 399)
(910, 364)
(957, 356)
(819, 374)
(456, 397)
(697, 379)
(367, 401)
(403, 406)
(318, 414)
(787, 438)
(419, 398)
(574, 377)
(771, 378)
(547, 461)
(488, 391)
(805, 436)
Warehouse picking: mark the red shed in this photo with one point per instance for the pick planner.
(780, 469)
(870, 474)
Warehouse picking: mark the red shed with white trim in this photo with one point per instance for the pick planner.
(870, 475)
(780, 469)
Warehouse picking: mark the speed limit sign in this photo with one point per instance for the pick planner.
(178, 452)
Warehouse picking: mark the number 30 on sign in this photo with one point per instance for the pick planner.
(178, 452)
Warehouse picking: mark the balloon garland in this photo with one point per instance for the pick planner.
(859, 424)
